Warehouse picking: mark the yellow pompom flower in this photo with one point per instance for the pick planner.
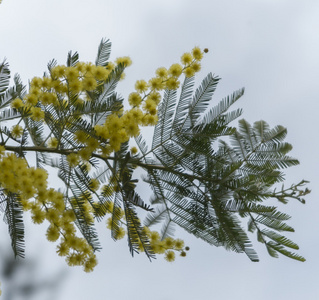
(17, 103)
(75, 85)
(31, 100)
(196, 66)
(170, 256)
(90, 263)
(100, 73)
(150, 106)
(46, 98)
(134, 99)
(158, 247)
(120, 234)
(73, 159)
(92, 144)
(69, 215)
(80, 136)
(149, 120)
(189, 72)
(110, 66)
(169, 243)
(37, 114)
(134, 150)
(89, 83)
(114, 124)
(68, 228)
(123, 136)
(162, 72)
(141, 86)
(136, 114)
(36, 82)
(94, 184)
(16, 131)
(179, 244)
(58, 71)
(197, 53)
(37, 216)
(88, 68)
(53, 233)
(186, 58)
(71, 73)
(46, 82)
(85, 154)
(63, 249)
(35, 91)
(109, 223)
(155, 96)
(175, 70)
(156, 83)
(53, 215)
(80, 66)
(155, 236)
(124, 60)
(172, 83)
(53, 142)
(132, 129)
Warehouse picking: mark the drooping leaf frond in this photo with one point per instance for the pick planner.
(14, 219)
(206, 190)
(103, 53)
(4, 76)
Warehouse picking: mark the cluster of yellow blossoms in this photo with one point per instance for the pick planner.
(118, 126)
(165, 246)
(67, 89)
(29, 184)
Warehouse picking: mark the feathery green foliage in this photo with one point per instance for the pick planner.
(207, 176)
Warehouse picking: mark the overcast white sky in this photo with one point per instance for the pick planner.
(270, 47)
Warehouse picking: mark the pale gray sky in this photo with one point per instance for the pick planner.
(270, 47)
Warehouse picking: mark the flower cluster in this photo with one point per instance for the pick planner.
(165, 246)
(64, 93)
(29, 184)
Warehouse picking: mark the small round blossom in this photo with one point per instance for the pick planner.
(53, 233)
(170, 256)
(162, 72)
(31, 100)
(17, 103)
(53, 142)
(196, 66)
(94, 184)
(175, 70)
(89, 84)
(134, 150)
(17, 131)
(100, 73)
(71, 73)
(125, 60)
(36, 82)
(134, 99)
(197, 53)
(141, 86)
(73, 159)
(189, 72)
(58, 71)
(156, 83)
(155, 96)
(186, 58)
(37, 114)
(172, 83)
